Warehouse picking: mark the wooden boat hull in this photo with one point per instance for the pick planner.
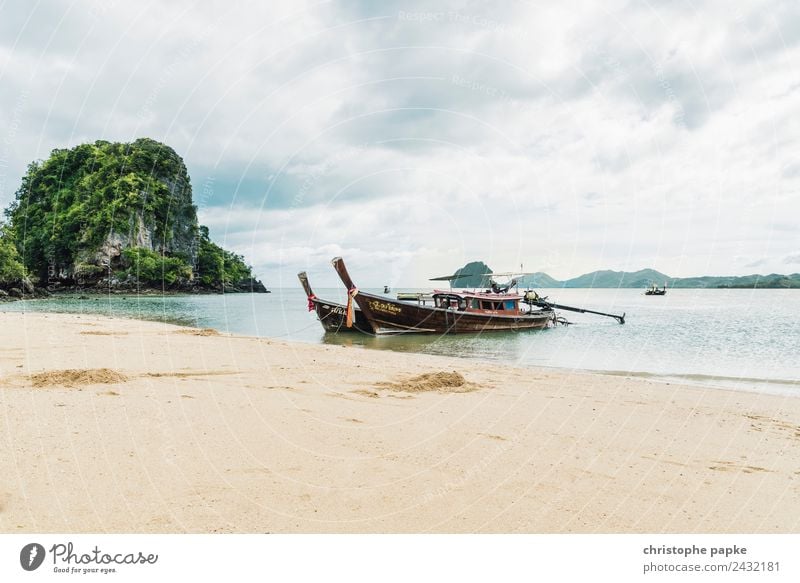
(388, 316)
(331, 315)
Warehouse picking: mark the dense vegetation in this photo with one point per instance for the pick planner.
(113, 214)
(215, 264)
(73, 200)
(11, 269)
(151, 268)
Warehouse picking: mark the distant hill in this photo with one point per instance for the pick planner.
(473, 275)
(538, 279)
(606, 278)
(772, 281)
(633, 279)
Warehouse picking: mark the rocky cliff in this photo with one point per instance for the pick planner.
(120, 216)
(473, 275)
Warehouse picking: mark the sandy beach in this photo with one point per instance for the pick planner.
(112, 425)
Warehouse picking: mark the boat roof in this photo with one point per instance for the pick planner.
(477, 294)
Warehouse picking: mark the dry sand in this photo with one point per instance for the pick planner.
(128, 426)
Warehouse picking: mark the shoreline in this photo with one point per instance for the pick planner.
(90, 292)
(709, 381)
(124, 425)
(779, 387)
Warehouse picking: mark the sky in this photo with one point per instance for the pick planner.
(413, 137)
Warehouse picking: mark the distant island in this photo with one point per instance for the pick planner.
(474, 274)
(112, 217)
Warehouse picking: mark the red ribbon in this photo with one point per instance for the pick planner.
(311, 299)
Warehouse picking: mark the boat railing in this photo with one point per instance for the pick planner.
(420, 298)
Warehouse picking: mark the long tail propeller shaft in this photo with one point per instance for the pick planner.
(544, 304)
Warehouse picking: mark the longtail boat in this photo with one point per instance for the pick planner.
(654, 291)
(452, 311)
(331, 315)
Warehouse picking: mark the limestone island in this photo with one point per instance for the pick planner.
(112, 217)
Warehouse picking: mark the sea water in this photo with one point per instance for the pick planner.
(747, 339)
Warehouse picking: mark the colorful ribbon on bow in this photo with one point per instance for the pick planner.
(351, 294)
(311, 299)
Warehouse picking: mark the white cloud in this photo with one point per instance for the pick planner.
(608, 135)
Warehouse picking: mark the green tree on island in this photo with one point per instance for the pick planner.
(11, 269)
(118, 215)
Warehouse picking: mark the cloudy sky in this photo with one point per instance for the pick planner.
(413, 137)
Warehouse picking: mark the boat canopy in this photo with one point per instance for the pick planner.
(476, 301)
(487, 295)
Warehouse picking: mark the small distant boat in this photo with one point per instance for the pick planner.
(655, 291)
(331, 315)
(386, 289)
(452, 312)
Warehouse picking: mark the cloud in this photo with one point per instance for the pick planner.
(792, 259)
(757, 263)
(418, 137)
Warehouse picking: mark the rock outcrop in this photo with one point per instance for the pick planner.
(119, 216)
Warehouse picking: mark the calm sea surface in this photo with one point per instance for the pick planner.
(747, 339)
